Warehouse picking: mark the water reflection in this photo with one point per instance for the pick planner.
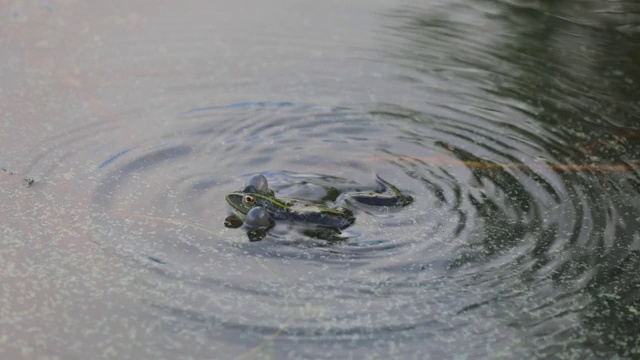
(550, 193)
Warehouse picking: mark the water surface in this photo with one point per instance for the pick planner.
(513, 124)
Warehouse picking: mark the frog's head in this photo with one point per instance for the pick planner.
(241, 202)
(252, 216)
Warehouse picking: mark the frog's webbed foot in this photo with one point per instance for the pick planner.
(232, 222)
(390, 190)
(256, 235)
(385, 194)
(376, 199)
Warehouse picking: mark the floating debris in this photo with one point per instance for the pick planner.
(8, 171)
(28, 181)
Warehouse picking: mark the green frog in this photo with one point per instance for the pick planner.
(257, 206)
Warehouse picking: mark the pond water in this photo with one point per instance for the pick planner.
(513, 125)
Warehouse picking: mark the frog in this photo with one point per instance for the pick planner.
(257, 207)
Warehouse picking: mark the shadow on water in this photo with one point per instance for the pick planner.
(552, 152)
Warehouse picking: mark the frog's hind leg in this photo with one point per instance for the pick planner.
(387, 188)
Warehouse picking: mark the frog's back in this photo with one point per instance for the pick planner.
(311, 213)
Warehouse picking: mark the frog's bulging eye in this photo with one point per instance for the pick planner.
(248, 200)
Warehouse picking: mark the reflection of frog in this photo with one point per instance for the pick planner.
(257, 207)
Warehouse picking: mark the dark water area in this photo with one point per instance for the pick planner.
(512, 124)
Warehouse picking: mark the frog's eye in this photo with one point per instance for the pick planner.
(248, 200)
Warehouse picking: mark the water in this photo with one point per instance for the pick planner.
(511, 123)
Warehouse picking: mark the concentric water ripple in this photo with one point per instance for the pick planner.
(495, 224)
